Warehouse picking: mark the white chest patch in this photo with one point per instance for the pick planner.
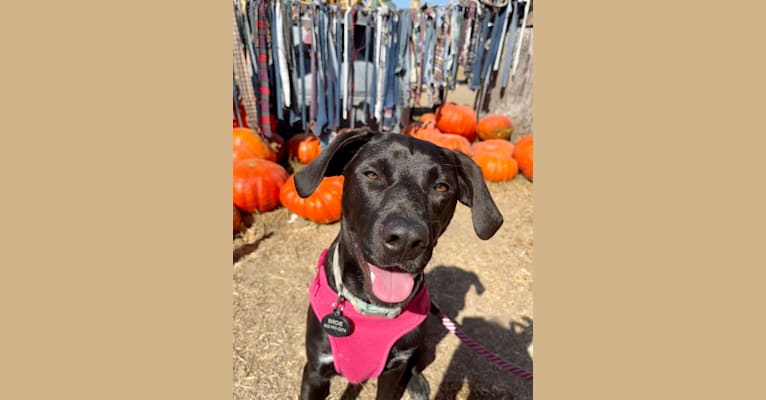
(325, 358)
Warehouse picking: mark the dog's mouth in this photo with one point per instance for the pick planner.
(389, 284)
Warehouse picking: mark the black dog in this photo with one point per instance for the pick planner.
(399, 195)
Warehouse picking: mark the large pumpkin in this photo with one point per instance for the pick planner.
(524, 155)
(495, 158)
(303, 147)
(494, 147)
(422, 130)
(496, 168)
(323, 206)
(248, 144)
(257, 183)
(494, 127)
(457, 119)
(452, 142)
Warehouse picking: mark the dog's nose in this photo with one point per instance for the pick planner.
(404, 238)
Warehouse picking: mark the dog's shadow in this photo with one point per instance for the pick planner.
(449, 286)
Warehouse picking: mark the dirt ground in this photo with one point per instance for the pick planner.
(485, 286)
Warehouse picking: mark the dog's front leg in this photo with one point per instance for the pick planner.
(392, 383)
(316, 384)
(319, 368)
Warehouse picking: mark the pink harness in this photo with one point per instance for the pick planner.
(363, 354)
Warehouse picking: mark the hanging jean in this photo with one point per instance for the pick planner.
(376, 61)
(457, 41)
(301, 68)
(476, 71)
(502, 37)
(440, 47)
(510, 44)
(367, 44)
(384, 47)
(497, 29)
(391, 84)
(428, 47)
(338, 52)
(327, 48)
(281, 52)
(292, 62)
(345, 64)
(277, 79)
(313, 60)
(420, 55)
(402, 69)
(318, 50)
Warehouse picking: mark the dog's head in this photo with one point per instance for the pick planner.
(399, 196)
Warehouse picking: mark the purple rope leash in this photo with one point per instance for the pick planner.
(481, 350)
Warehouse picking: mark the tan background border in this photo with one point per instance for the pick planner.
(649, 222)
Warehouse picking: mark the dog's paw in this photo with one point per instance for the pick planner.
(418, 388)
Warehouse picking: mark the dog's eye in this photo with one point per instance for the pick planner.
(371, 175)
(441, 187)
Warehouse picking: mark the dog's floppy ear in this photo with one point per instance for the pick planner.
(331, 160)
(474, 193)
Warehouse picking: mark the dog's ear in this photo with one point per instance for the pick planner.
(330, 161)
(474, 193)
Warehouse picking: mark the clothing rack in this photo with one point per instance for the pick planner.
(320, 67)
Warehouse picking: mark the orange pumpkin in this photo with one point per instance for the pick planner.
(237, 219)
(323, 206)
(494, 127)
(257, 183)
(303, 147)
(457, 119)
(524, 155)
(452, 142)
(428, 117)
(494, 147)
(496, 168)
(248, 144)
(421, 130)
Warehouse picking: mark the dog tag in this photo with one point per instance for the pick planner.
(336, 324)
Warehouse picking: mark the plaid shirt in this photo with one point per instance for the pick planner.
(242, 70)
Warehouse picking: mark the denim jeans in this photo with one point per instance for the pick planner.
(510, 41)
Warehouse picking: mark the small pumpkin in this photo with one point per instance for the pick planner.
(304, 147)
(422, 130)
(257, 183)
(457, 119)
(237, 219)
(494, 126)
(452, 142)
(248, 144)
(494, 147)
(523, 152)
(323, 206)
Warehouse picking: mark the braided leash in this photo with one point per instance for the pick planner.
(481, 350)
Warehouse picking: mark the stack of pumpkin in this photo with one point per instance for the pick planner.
(456, 127)
(260, 184)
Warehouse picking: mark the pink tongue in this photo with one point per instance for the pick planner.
(391, 286)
